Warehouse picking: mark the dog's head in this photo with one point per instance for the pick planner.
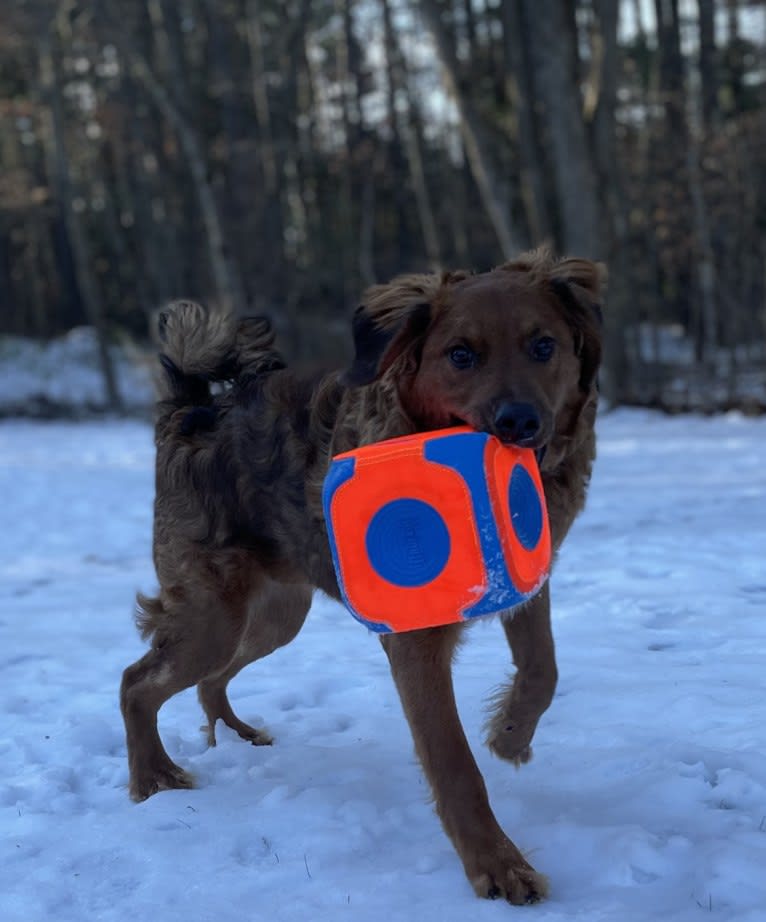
(513, 352)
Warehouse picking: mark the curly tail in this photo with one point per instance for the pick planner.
(202, 346)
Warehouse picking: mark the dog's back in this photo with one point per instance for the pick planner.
(238, 436)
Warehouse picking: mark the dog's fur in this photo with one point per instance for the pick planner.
(240, 541)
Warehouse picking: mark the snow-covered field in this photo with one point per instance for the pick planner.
(63, 377)
(646, 798)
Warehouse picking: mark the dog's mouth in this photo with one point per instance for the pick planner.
(532, 442)
(539, 449)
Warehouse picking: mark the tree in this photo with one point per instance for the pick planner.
(278, 155)
(556, 89)
(492, 188)
(60, 176)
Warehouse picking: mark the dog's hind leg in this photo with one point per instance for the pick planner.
(216, 705)
(519, 706)
(186, 648)
(276, 615)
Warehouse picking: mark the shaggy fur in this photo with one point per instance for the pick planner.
(239, 537)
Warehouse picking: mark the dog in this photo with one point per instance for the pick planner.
(240, 542)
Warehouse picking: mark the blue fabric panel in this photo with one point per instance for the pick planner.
(465, 454)
(526, 509)
(340, 472)
(408, 542)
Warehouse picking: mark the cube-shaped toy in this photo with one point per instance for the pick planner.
(436, 528)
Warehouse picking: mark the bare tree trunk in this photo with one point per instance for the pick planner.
(413, 146)
(347, 231)
(705, 255)
(61, 179)
(168, 57)
(470, 27)
(367, 230)
(601, 97)
(145, 247)
(603, 87)
(407, 137)
(491, 188)
(735, 67)
(707, 62)
(293, 219)
(671, 68)
(706, 268)
(35, 272)
(679, 160)
(581, 228)
(267, 154)
(527, 137)
(228, 285)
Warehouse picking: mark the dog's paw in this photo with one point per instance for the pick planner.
(245, 731)
(519, 886)
(511, 741)
(512, 722)
(506, 875)
(167, 778)
(252, 735)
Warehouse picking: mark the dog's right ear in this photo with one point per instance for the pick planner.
(391, 321)
(376, 348)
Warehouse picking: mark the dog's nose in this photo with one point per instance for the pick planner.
(516, 423)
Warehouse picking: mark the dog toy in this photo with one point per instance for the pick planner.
(436, 528)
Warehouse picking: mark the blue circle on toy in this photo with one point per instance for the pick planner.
(526, 509)
(408, 543)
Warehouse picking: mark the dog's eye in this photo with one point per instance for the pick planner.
(462, 357)
(542, 349)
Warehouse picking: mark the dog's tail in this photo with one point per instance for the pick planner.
(150, 615)
(201, 346)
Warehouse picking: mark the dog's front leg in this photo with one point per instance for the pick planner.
(520, 705)
(421, 663)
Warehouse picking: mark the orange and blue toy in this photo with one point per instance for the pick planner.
(436, 528)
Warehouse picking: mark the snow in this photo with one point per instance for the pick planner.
(63, 377)
(646, 798)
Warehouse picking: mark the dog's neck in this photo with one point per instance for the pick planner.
(374, 414)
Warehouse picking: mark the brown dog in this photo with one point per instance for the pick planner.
(240, 541)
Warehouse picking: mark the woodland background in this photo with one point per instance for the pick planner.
(280, 155)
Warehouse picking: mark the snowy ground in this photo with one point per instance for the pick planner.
(646, 798)
(62, 377)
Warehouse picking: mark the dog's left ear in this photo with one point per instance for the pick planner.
(391, 321)
(579, 285)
